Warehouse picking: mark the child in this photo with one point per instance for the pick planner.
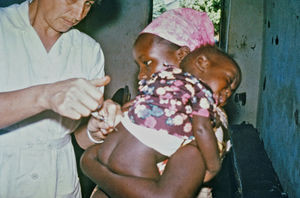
(174, 109)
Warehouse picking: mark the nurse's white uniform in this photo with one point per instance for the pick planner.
(36, 155)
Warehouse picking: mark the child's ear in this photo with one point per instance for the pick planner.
(182, 52)
(202, 62)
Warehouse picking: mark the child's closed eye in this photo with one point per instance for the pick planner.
(147, 63)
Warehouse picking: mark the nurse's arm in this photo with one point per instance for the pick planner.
(73, 98)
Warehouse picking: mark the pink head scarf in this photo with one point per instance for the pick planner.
(183, 27)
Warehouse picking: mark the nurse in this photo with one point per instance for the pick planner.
(51, 77)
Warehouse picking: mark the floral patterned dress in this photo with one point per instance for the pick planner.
(168, 101)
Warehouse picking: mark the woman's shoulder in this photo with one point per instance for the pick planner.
(14, 15)
(82, 38)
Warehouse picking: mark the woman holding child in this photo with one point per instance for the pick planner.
(156, 48)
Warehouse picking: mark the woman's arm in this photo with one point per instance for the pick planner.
(18, 105)
(73, 98)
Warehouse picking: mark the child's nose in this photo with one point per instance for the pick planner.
(142, 74)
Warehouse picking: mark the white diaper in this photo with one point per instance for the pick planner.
(158, 140)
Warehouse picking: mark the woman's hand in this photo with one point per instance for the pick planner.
(74, 98)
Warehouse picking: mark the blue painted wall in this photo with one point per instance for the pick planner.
(278, 109)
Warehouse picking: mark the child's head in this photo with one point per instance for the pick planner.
(152, 53)
(168, 38)
(216, 69)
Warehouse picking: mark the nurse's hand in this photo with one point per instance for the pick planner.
(74, 98)
(104, 120)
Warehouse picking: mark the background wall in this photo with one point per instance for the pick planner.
(241, 36)
(279, 101)
(4, 3)
(263, 38)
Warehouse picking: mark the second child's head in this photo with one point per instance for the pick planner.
(216, 69)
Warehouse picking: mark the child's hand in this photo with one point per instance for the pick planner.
(127, 105)
(208, 176)
(106, 118)
(221, 117)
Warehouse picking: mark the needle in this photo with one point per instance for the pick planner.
(101, 118)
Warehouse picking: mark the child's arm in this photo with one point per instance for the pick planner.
(207, 144)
